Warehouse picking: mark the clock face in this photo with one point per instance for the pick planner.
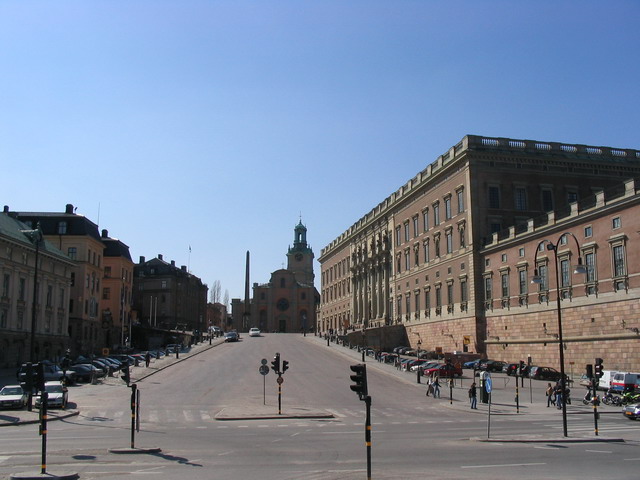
(283, 304)
(298, 256)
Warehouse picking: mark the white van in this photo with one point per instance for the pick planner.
(623, 381)
(604, 382)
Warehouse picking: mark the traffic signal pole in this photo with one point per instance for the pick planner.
(44, 400)
(367, 434)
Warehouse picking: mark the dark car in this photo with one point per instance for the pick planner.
(491, 365)
(445, 370)
(545, 373)
(231, 337)
(83, 371)
(514, 369)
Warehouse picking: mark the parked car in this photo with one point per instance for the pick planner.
(12, 396)
(632, 412)
(58, 395)
(545, 373)
(53, 372)
(428, 365)
(83, 372)
(473, 364)
(444, 370)
(513, 369)
(231, 337)
(254, 332)
(491, 365)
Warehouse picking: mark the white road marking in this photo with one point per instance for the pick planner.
(503, 465)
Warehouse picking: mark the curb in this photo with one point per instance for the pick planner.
(50, 418)
(548, 440)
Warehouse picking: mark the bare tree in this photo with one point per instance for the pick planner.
(216, 292)
(226, 299)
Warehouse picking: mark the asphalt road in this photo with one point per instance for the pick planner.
(413, 436)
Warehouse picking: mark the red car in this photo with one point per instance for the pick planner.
(446, 370)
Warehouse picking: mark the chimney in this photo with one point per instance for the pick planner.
(142, 259)
(69, 208)
(6, 209)
(105, 233)
(159, 256)
(173, 263)
(183, 268)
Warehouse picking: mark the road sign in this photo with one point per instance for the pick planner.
(263, 369)
(487, 385)
(263, 361)
(280, 380)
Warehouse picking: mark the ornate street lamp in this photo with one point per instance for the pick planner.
(538, 279)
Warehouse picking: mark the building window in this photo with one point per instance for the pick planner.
(400, 306)
(460, 195)
(449, 239)
(464, 293)
(572, 197)
(565, 277)
(425, 219)
(49, 299)
(450, 293)
(425, 246)
(416, 252)
(543, 271)
(494, 197)
(563, 240)
(521, 252)
(618, 261)
(522, 282)
(488, 290)
(399, 264)
(107, 272)
(62, 228)
(407, 264)
(521, 198)
(547, 200)
(72, 253)
(417, 302)
(3, 318)
(504, 280)
(438, 296)
(408, 304)
(590, 264)
(495, 226)
(588, 231)
(398, 237)
(616, 222)
(6, 281)
(406, 232)
(106, 293)
(427, 301)
(447, 207)
(415, 226)
(436, 213)
(436, 243)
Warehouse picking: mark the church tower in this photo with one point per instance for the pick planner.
(300, 256)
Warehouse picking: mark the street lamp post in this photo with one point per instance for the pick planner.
(36, 237)
(537, 279)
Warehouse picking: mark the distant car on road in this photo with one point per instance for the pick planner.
(231, 337)
(632, 412)
(12, 396)
(254, 332)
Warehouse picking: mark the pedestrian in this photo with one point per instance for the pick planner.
(429, 386)
(147, 359)
(472, 396)
(550, 395)
(558, 392)
(436, 388)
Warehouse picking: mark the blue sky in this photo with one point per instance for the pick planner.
(216, 124)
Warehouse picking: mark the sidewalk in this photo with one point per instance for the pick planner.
(24, 417)
(531, 398)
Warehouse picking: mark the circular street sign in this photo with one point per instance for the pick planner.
(280, 380)
(487, 385)
(263, 361)
(263, 369)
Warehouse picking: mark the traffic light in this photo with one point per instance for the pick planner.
(38, 377)
(275, 364)
(126, 374)
(285, 366)
(589, 371)
(360, 379)
(26, 377)
(598, 369)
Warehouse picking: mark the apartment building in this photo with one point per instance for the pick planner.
(28, 260)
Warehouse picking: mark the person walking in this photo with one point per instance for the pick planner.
(559, 399)
(147, 359)
(473, 396)
(436, 388)
(550, 395)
